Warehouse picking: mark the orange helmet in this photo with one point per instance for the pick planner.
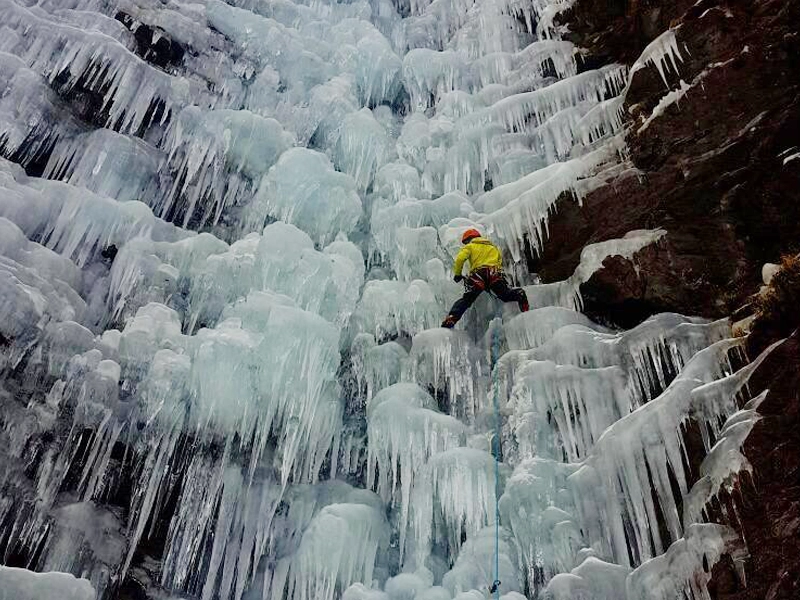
(469, 234)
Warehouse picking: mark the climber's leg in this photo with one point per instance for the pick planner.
(461, 305)
(508, 294)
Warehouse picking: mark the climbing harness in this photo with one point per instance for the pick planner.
(495, 351)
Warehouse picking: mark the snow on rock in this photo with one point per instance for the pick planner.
(567, 293)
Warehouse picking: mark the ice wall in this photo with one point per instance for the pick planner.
(225, 237)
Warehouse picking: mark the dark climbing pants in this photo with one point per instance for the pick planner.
(481, 281)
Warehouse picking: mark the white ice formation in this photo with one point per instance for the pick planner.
(225, 237)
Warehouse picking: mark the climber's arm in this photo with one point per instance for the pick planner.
(461, 258)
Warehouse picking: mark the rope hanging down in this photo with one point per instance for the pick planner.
(495, 352)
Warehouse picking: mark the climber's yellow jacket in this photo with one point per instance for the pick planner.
(480, 253)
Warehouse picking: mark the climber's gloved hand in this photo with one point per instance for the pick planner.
(458, 278)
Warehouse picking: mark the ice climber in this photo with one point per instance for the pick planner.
(485, 274)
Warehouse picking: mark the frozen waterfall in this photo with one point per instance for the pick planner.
(226, 229)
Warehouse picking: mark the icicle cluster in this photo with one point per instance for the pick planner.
(226, 231)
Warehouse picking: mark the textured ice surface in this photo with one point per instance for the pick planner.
(218, 159)
(20, 584)
(454, 492)
(685, 568)
(33, 118)
(97, 62)
(304, 190)
(107, 163)
(219, 312)
(404, 434)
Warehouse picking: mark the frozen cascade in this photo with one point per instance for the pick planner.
(223, 262)
(130, 88)
(33, 117)
(218, 158)
(107, 163)
(403, 435)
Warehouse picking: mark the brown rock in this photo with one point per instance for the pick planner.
(709, 170)
(769, 510)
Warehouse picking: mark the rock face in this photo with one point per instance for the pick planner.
(719, 170)
(769, 511)
(714, 168)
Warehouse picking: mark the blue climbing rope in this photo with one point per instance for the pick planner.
(495, 351)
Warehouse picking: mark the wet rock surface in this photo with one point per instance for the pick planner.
(713, 168)
(769, 506)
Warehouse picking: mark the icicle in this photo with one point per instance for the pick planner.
(685, 569)
(130, 87)
(73, 221)
(522, 209)
(515, 112)
(303, 189)
(578, 403)
(218, 159)
(456, 489)
(445, 360)
(392, 308)
(338, 548)
(387, 221)
(640, 456)
(403, 435)
(534, 507)
(107, 163)
(533, 328)
(376, 366)
(663, 53)
(428, 75)
(361, 147)
(724, 464)
(33, 117)
(475, 564)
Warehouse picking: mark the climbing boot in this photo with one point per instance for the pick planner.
(449, 322)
